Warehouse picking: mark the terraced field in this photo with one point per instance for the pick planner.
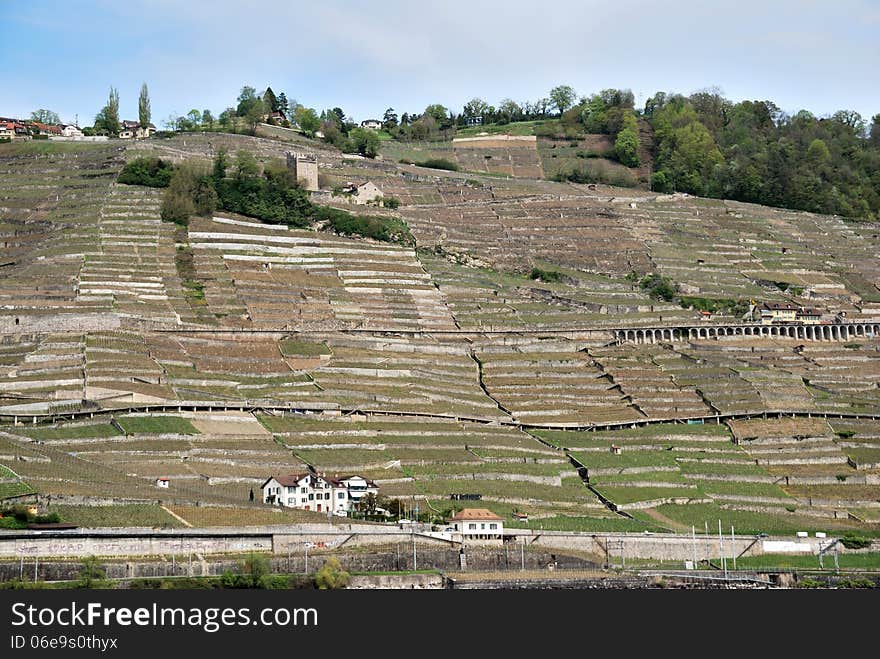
(466, 365)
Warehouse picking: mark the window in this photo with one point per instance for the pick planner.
(482, 526)
(303, 490)
(340, 495)
(493, 527)
(311, 497)
(472, 527)
(291, 502)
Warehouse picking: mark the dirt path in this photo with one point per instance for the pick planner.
(176, 516)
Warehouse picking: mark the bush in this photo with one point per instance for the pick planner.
(548, 276)
(331, 576)
(386, 229)
(439, 163)
(852, 541)
(91, 574)
(661, 288)
(391, 202)
(149, 171)
(660, 182)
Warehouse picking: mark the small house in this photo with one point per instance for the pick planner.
(521, 517)
(367, 193)
(615, 449)
(478, 524)
(372, 124)
(809, 316)
(164, 483)
(126, 134)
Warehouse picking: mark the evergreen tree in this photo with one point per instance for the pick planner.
(144, 114)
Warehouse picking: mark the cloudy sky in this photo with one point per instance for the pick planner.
(367, 56)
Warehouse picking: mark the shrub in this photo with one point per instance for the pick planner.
(149, 171)
(548, 276)
(810, 583)
(660, 182)
(852, 541)
(391, 202)
(386, 229)
(439, 163)
(331, 575)
(91, 574)
(658, 287)
(626, 146)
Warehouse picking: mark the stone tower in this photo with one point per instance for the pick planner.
(305, 168)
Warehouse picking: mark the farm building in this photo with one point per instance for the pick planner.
(478, 524)
(310, 491)
(372, 124)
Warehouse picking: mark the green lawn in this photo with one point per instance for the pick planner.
(608, 460)
(156, 425)
(624, 495)
(566, 523)
(95, 431)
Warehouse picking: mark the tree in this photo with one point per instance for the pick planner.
(247, 98)
(107, 119)
(45, 117)
(255, 113)
(438, 113)
(331, 575)
(270, 101)
(246, 165)
(308, 121)
(368, 504)
(509, 110)
(626, 146)
(91, 573)
(207, 118)
(256, 569)
(365, 141)
(476, 107)
(283, 105)
(191, 192)
(194, 117)
(144, 113)
(562, 97)
(389, 119)
(875, 131)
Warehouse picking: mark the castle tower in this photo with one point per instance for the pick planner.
(305, 168)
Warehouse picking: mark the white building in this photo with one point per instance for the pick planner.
(164, 483)
(71, 131)
(310, 491)
(477, 524)
(372, 124)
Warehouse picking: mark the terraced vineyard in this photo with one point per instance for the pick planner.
(481, 361)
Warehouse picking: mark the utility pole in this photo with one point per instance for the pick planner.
(694, 543)
(733, 551)
(721, 550)
(307, 558)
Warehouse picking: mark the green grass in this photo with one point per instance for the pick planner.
(866, 561)
(863, 456)
(293, 348)
(14, 489)
(514, 128)
(96, 431)
(156, 425)
(608, 460)
(124, 515)
(624, 495)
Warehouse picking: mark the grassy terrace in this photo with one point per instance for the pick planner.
(156, 425)
(124, 515)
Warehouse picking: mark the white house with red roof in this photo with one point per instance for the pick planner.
(311, 491)
(477, 524)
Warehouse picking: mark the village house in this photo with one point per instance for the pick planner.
(133, 130)
(372, 124)
(164, 483)
(311, 491)
(276, 117)
(778, 312)
(71, 131)
(477, 524)
(809, 316)
(38, 128)
(364, 193)
(7, 130)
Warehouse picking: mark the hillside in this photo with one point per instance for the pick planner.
(501, 355)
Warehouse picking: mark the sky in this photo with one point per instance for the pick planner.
(367, 56)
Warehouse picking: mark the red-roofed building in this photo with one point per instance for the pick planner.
(478, 524)
(310, 491)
